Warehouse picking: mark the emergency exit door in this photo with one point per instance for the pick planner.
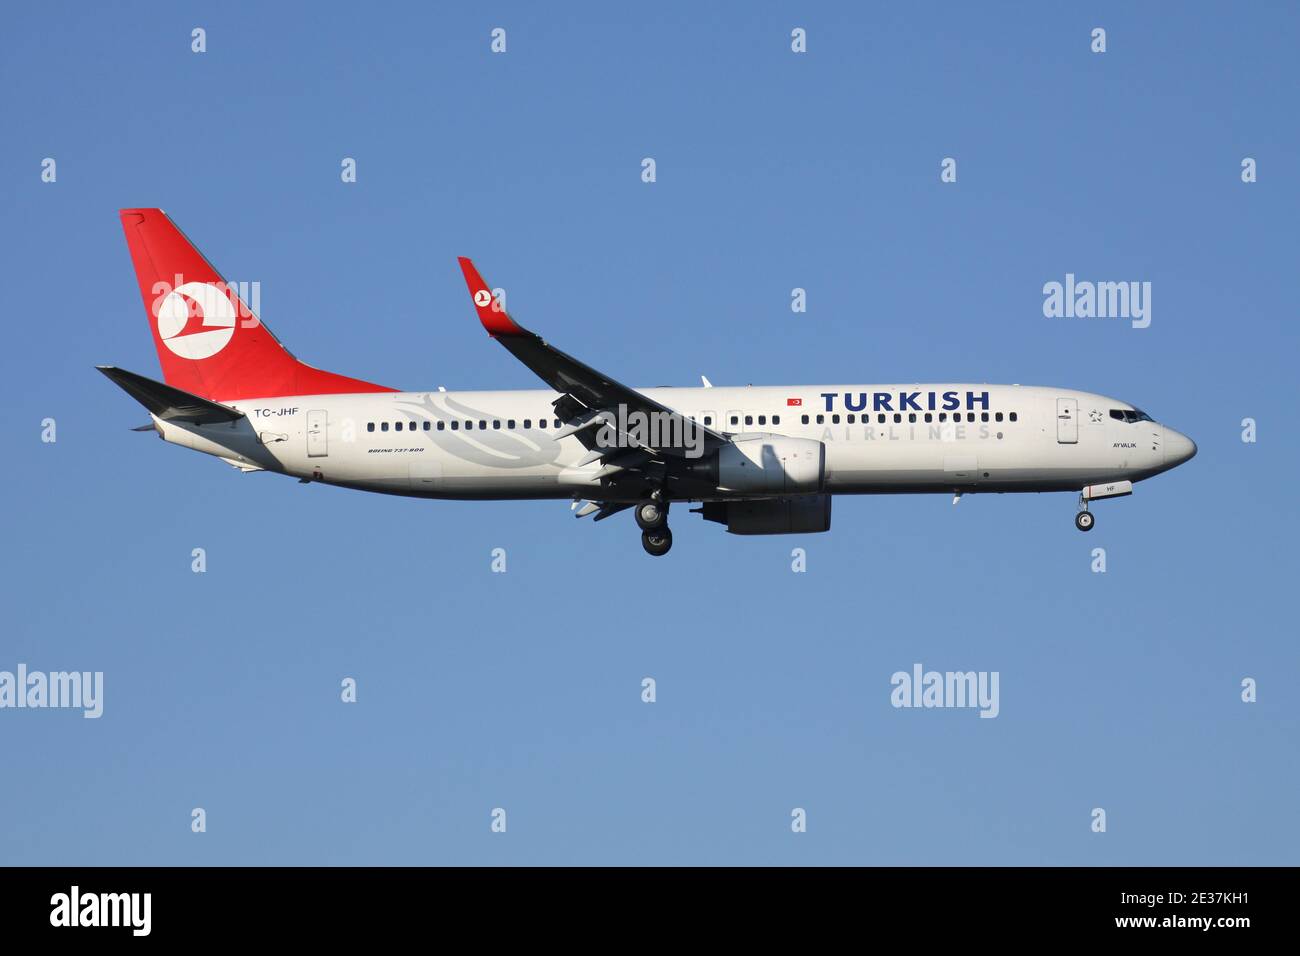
(1067, 421)
(317, 431)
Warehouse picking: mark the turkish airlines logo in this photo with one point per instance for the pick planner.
(482, 297)
(196, 320)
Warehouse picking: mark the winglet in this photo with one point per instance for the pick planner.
(495, 319)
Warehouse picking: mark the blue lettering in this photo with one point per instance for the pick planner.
(830, 399)
(882, 401)
(950, 401)
(982, 399)
(908, 400)
(850, 406)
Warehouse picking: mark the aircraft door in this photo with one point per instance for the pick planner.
(1067, 421)
(317, 431)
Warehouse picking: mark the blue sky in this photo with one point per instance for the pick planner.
(522, 690)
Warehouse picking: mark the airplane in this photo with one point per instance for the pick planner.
(760, 460)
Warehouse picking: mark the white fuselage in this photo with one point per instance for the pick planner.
(878, 438)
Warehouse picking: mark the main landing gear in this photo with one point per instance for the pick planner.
(652, 518)
(651, 515)
(1084, 519)
(658, 542)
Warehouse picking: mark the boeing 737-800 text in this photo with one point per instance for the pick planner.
(761, 460)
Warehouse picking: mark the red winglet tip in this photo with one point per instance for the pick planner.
(495, 320)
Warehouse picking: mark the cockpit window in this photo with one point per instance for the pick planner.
(1130, 415)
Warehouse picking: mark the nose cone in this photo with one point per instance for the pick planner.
(1178, 448)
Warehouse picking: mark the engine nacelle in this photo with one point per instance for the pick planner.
(771, 465)
(806, 514)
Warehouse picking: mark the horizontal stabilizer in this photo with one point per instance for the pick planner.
(168, 402)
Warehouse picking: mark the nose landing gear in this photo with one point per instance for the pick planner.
(1111, 489)
(1084, 519)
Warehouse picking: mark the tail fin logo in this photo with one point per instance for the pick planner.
(196, 320)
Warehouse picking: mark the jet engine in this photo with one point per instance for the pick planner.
(760, 464)
(805, 514)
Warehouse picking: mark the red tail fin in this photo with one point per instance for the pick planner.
(209, 342)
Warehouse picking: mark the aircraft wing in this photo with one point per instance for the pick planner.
(586, 393)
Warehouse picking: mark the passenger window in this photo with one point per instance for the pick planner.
(397, 426)
(776, 419)
(469, 425)
(821, 419)
(762, 419)
(455, 426)
(835, 419)
(880, 419)
(557, 423)
(997, 417)
(1012, 416)
(511, 424)
(749, 419)
(970, 416)
(735, 420)
(984, 416)
(496, 423)
(943, 416)
(897, 418)
(528, 423)
(482, 424)
(850, 418)
(383, 426)
(805, 419)
(441, 425)
(911, 417)
(928, 418)
(541, 423)
(708, 420)
(370, 426)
